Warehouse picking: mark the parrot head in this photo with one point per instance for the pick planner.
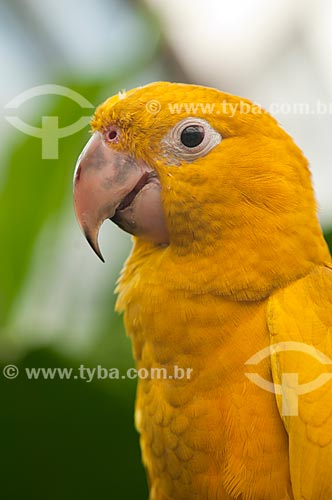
(195, 169)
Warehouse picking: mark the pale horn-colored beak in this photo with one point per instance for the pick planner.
(110, 184)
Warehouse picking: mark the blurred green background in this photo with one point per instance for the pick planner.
(72, 438)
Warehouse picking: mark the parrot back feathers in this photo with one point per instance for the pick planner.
(302, 314)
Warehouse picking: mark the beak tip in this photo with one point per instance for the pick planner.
(100, 255)
(101, 258)
(95, 246)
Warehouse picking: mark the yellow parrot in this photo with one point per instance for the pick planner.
(228, 289)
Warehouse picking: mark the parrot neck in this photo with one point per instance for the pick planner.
(241, 265)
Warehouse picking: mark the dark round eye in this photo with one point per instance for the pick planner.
(111, 135)
(192, 136)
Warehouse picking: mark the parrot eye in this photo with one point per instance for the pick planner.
(191, 138)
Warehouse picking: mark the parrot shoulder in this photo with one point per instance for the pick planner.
(299, 319)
